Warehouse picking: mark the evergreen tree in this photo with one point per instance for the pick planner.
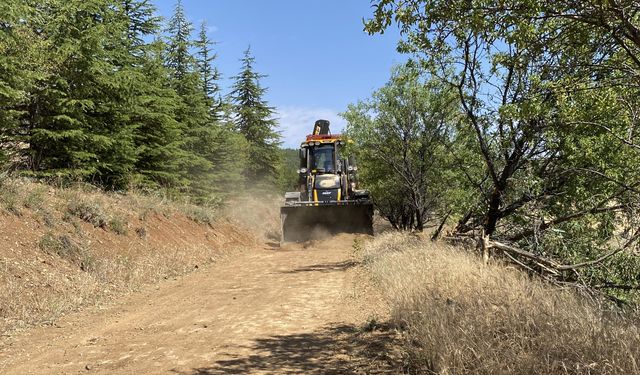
(213, 151)
(142, 21)
(84, 95)
(254, 119)
(78, 116)
(192, 113)
(179, 60)
(17, 72)
(153, 102)
(209, 74)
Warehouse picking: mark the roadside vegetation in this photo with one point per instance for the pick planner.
(459, 316)
(514, 126)
(510, 139)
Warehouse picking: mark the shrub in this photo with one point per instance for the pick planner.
(201, 215)
(59, 245)
(66, 248)
(118, 225)
(35, 198)
(91, 212)
(47, 217)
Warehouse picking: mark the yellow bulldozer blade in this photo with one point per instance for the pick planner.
(301, 222)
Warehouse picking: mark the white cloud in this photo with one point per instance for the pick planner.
(296, 122)
(210, 28)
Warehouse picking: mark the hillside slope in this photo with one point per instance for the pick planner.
(62, 249)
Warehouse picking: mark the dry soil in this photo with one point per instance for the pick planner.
(299, 308)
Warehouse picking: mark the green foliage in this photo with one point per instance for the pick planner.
(21, 65)
(288, 178)
(179, 59)
(403, 138)
(254, 119)
(118, 225)
(209, 74)
(157, 132)
(35, 198)
(77, 115)
(153, 103)
(92, 91)
(550, 113)
(214, 153)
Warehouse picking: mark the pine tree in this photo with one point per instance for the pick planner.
(153, 102)
(142, 22)
(209, 74)
(193, 113)
(253, 117)
(179, 60)
(78, 123)
(84, 95)
(21, 65)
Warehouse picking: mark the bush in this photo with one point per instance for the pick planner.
(35, 198)
(118, 225)
(91, 212)
(66, 248)
(199, 214)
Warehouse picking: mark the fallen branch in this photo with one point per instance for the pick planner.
(591, 262)
(604, 257)
(538, 259)
(563, 219)
(549, 269)
(547, 265)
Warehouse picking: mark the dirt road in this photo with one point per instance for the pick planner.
(295, 309)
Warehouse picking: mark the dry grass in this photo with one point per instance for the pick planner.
(10, 196)
(461, 316)
(65, 248)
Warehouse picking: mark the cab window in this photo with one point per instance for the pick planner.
(322, 158)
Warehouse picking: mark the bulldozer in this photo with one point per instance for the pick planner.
(328, 198)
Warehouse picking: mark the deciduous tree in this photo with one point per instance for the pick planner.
(549, 93)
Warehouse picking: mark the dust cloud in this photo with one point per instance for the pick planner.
(260, 215)
(319, 233)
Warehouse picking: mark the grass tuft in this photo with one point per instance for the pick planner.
(67, 248)
(35, 198)
(10, 196)
(47, 217)
(118, 225)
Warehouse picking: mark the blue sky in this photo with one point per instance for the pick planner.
(317, 57)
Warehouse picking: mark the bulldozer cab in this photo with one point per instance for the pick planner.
(322, 159)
